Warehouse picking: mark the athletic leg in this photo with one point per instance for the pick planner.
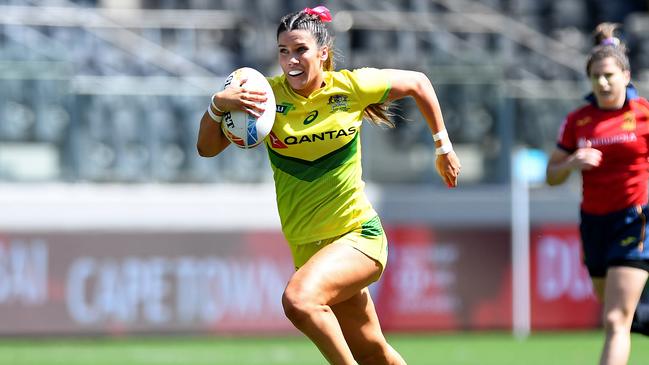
(623, 289)
(362, 331)
(336, 273)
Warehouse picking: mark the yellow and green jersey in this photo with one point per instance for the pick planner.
(315, 153)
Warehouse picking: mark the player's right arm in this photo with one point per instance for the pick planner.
(561, 163)
(558, 170)
(211, 140)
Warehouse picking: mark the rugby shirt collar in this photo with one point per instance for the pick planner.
(631, 94)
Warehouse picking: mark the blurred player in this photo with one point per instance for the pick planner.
(336, 238)
(608, 141)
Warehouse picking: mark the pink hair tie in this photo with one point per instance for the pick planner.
(321, 11)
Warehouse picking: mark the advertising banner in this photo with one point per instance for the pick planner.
(93, 282)
(562, 293)
(232, 282)
(446, 280)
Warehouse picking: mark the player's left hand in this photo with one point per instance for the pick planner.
(239, 97)
(448, 167)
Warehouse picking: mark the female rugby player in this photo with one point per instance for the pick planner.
(336, 238)
(607, 140)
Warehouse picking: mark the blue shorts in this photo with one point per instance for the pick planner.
(615, 239)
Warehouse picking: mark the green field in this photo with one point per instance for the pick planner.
(574, 348)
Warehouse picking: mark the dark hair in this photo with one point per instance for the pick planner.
(606, 45)
(301, 20)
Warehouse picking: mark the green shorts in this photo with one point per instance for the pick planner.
(369, 239)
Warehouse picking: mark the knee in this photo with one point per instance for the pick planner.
(617, 320)
(298, 304)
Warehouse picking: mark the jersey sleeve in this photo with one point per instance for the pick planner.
(644, 112)
(371, 85)
(567, 139)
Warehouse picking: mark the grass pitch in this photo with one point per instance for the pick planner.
(573, 348)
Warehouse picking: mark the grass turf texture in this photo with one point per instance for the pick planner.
(573, 348)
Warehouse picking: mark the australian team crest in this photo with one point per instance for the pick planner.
(339, 103)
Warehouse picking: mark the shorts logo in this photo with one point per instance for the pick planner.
(627, 241)
(284, 108)
(339, 103)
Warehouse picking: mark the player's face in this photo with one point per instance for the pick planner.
(609, 83)
(301, 60)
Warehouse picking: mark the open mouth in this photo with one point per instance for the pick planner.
(295, 73)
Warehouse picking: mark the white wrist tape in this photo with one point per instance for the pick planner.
(444, 148)
(214, 117)
(440, 135)
(216, 107)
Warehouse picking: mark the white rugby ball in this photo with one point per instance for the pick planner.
(244, 129)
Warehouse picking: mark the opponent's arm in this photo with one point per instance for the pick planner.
(417, 85)
(561, 163)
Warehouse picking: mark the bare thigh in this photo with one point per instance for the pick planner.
(334, 274)
(360, 324)
(623, 288)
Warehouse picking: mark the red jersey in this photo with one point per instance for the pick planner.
(621, 179)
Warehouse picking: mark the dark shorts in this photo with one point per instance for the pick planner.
(615, 239)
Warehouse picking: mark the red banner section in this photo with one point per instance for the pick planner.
(445, 280)
(140, 282)
(220, 282)
(562, 293)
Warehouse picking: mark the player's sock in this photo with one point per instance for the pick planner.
(640, 322)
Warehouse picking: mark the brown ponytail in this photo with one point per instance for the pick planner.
(607, 44)
(379, 114)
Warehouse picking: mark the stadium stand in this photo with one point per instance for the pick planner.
(113, 89)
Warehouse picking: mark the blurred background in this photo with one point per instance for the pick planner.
(111, 224)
